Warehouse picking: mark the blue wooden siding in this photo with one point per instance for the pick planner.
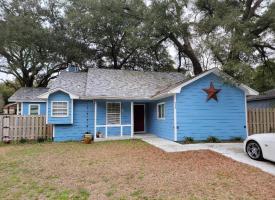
(196, 117)
(25, 108)
(83, 122)
(161, 127)
(199, 119)
(125, 118)
(268, 103)
(59, 96)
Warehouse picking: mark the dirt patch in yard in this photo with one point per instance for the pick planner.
(127, 170)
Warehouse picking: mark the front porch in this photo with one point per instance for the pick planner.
(117, 120)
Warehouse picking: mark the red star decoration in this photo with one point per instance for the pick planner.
(212, 92)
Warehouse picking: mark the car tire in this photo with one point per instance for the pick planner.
(253, 150)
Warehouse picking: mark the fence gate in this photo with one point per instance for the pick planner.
(18, 127)
(261, 120)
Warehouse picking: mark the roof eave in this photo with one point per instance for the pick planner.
(26, 100)
(259, 98)
(163, 95)
(47, 94)
(216, 71)
(114, 98)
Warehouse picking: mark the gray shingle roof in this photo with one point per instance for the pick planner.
(100, 83)
(73, 82)
(27, 94)
(270, 94)
(132, 84)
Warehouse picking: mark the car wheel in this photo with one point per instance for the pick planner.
(254, 150)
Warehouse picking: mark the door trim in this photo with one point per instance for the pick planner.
(144, 125)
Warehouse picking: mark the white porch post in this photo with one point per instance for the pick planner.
(72, 112)
(47, 110)
(17, 109)
(95, 119)
(132, 119)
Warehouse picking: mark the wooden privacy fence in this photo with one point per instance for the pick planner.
(24, 127)
(261, 120)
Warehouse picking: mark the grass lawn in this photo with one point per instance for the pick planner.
(125, 170)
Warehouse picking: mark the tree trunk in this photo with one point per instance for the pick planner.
(187, 49)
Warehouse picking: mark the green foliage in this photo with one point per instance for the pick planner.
(39, 38)
(2, 102)
(264, 77)
(40, 139)
(23, 141)
(237, 139)
(32, 42)
(212, 139)
(114, 30)
(7, 89)
(240, 36)
(167, 21)
(188, 140)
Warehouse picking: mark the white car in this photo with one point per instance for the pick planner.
(260, 146)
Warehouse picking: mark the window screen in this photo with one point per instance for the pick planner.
(34, 109)
(113, 113)
(161, 111)
(59, 108)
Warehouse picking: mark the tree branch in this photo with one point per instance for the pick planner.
(188, 51)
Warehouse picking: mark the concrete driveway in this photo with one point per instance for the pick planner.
(231, 150)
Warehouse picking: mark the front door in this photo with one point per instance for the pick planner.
(139, 111)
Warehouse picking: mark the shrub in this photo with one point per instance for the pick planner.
(188, 140)
(237, 139)
(23, 140)
(212, 139)
(40, 139)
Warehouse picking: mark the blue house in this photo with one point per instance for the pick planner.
(121, 103)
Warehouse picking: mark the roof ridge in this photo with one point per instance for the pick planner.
(135, 71)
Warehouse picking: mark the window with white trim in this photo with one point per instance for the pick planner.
(34, 109)
(60, 108)
(161, 111)
(113, 113)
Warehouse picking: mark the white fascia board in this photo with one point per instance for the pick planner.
(28, 101)
(161, 96)
(249, 91)
(216, 71)
(178, 88)
(115, 98)
(46, 95)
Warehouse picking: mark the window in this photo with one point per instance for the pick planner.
(113, 113)
(161, 110)
(60, 108)
(34, 109)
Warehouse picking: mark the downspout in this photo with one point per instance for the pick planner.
(246, 116)
(95, 115)
(175, 118)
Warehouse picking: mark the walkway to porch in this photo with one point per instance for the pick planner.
(142, 136)
(163, 144)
